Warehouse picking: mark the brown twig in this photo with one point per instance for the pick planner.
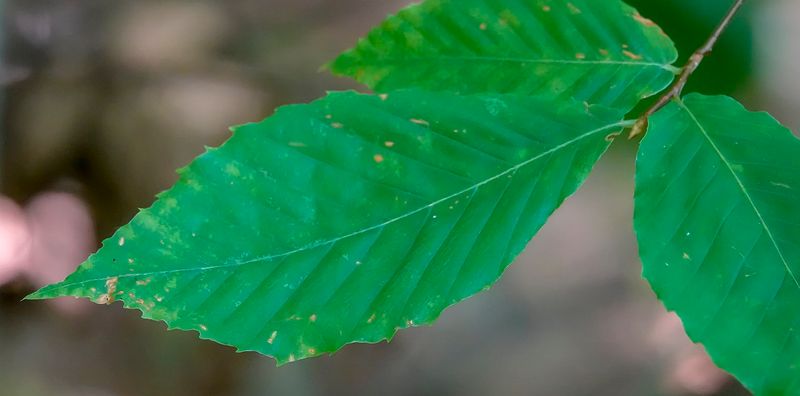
(694, 62)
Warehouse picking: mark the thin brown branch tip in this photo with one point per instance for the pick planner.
(674, 92)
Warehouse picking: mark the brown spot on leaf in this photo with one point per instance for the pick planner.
(378, 158)
(632, 55)
(611, 136)
(644, 21)
(111, 289)
(143, 282)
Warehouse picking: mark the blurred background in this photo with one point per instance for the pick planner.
(101, 101)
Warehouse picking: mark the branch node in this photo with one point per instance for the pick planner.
(691, 66)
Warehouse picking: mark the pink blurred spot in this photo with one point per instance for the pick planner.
(15, 239)
(63, 237)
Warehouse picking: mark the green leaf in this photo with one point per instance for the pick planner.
(347, 219)
(599, 51)
(718, 220)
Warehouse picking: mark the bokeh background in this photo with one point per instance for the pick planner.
(101, 100)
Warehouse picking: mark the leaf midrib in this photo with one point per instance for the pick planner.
(62, 285)
(743, 190)
(664, 66)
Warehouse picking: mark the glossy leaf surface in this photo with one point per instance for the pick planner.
(718, 222)
(347, 219)
(600, 51)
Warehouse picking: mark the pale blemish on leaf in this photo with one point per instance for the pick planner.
(509, 18)
(143, 282)
(420, 122)
(111, 289)
(644, 21)
(611, 136)
(272, 336)
(631, 55)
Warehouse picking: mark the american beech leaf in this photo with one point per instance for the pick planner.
(599, 51)
(718, 221)
(347, 219)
